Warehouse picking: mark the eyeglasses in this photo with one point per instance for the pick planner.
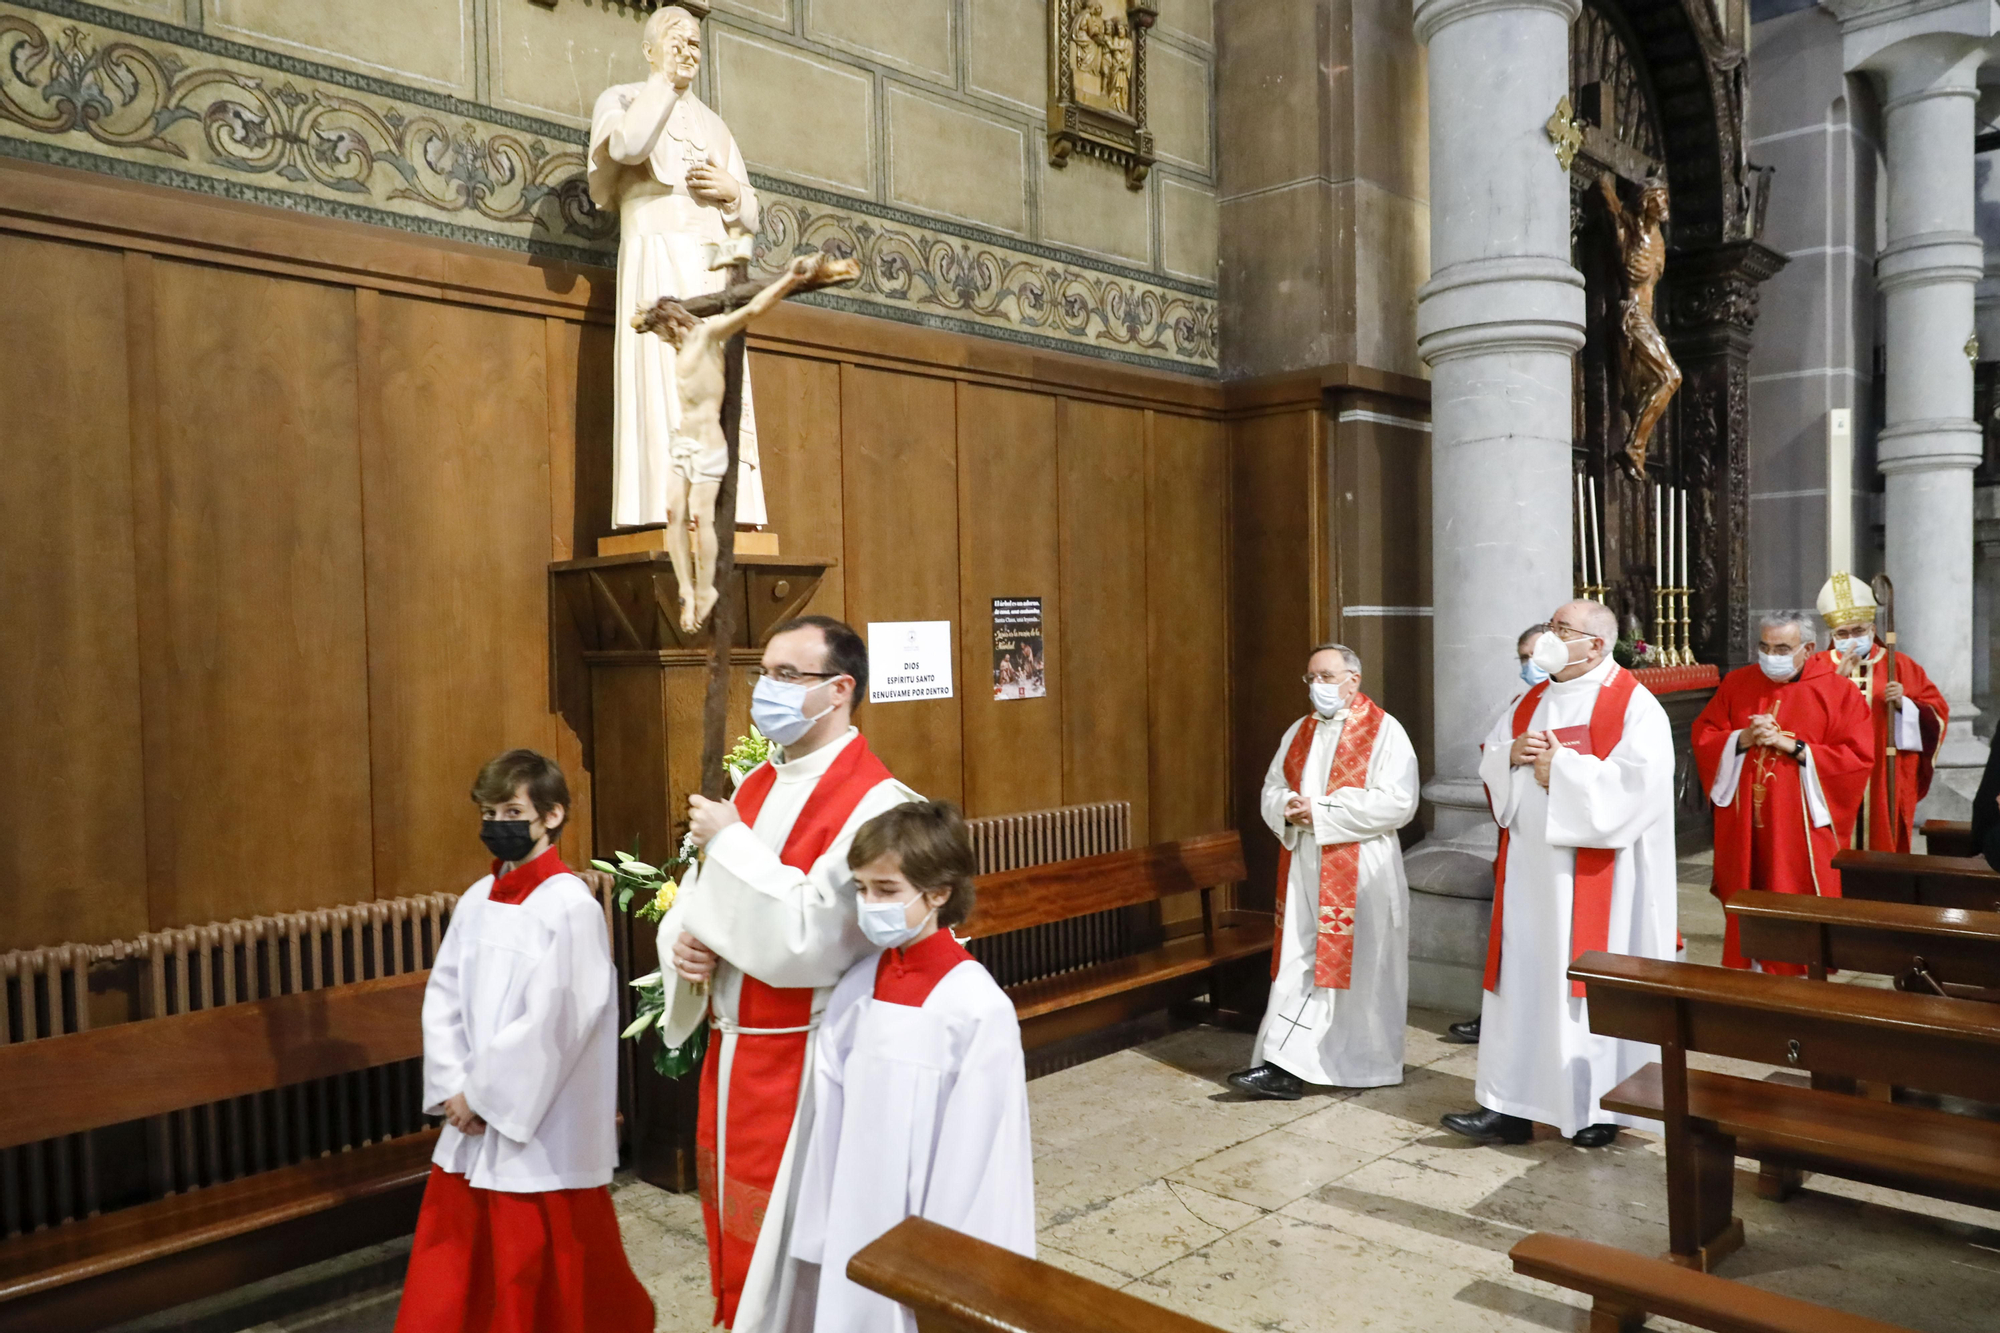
(784, 675)
(1327, 677)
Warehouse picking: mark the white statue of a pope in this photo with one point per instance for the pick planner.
(671, 170)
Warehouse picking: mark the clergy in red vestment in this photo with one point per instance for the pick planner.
(1909, 715)
(759, 935)
(1783, 750)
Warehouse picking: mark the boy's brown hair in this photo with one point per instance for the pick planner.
(502, 777)
(930, 839)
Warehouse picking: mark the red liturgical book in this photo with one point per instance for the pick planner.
(1574, 738)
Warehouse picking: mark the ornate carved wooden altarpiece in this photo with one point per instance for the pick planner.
(1658, 88)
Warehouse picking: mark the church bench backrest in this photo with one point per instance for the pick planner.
(957, 1284)
(1627, 1287)
(1948, 837)
(1016, 899)
(1933, 881)
(88, 1080)
(1945, 1046)
(1953, 945)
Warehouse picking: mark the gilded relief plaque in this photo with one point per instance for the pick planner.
(1097, 83)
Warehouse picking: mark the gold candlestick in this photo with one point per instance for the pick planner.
(1687, 639)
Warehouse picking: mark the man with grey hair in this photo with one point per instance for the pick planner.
(1581, 779)
(1343, 781)
(1784, 750)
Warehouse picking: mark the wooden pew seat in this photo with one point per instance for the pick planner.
(135, 1261)
(1624, 1288)
(1935, 950)
(1929, 881)
(1103, 993)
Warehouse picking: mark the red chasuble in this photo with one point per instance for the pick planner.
(1878, 829)
(1596, 867)
(768, 1066)
(1765, 838)
(1339, 864)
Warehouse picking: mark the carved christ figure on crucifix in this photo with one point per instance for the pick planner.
(1646, 368)
(699, 455)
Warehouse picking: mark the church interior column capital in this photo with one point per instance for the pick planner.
(1433, 15)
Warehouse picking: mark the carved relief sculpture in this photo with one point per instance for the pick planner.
(668, 166)
(1647, 369)
(1097, 83)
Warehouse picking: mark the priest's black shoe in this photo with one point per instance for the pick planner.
(1490, 1126)
(1465, 1034)
(1594, 1136)
(1268, 1081)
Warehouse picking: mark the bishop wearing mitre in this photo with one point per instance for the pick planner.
(1908, 714)
(1580, 775)
(668, 166)
(1783, 750)
(1343, 782)
(759, 934)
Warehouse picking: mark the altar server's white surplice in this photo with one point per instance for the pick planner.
(1537, 1056)
(921, 1111)
(1350, 1038)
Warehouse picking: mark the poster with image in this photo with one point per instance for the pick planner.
(1017, 649)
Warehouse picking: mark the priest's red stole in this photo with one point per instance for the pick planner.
(1340, 864)
(1590, 898)
(765, 1071)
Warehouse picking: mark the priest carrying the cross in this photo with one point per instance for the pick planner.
(1343, 781)
(1580, 775)
(1783, 750)
(758, 936)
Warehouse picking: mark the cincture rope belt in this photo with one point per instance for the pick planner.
(721, 1024)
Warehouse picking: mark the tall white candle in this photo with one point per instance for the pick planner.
(1596, 538)
(1659, 569)
(1684, 538)
(1582, 537)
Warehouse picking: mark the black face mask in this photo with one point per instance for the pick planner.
(509, 839)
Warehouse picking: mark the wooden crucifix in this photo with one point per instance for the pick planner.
(708, 337)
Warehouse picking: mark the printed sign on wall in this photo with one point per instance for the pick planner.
(1017, 648)
(908, 659)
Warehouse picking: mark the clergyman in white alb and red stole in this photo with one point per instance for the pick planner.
(774, 898)
(1340, 964)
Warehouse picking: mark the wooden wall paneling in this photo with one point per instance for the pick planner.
(1274, 467)
(1008, 547)
(1380, 525)
(456, 478)
(568, 676)
(74, 860)
(149, 546)
(899, 504)
(1101, 455)
(263, 555)
(1187, 617)
(799, 450)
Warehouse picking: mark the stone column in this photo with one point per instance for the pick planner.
(1498, 322)
(1929, 267)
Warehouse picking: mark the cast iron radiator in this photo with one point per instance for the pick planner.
(1014, 842)
(70, 988)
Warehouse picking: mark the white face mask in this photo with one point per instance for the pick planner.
(887, 924)
(1551, 653)
(1326, 699)
(778, 709)
(1858, 646)
(1778, 666)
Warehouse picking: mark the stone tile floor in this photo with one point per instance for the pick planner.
(1354, 1211)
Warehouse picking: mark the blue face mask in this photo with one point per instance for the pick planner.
(778, 709)
(887, 924)
(1532, 675)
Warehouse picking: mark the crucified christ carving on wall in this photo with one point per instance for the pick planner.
(1647, 370)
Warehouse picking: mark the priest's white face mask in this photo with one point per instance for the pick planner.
(1552, 654)
(1854, 640)
(1330, 683)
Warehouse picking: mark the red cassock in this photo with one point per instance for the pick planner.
(1766, 836)
(1877, 830)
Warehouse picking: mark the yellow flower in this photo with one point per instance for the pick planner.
(664, 899)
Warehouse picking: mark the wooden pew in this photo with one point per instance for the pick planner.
(1948, 837)
(956, 1284)
(1967, 883)
(1624, 1288)
(1104, 993)
(134, 1261)
(1848, 1032)
(1929, 950)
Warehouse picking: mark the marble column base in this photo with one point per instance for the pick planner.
(1451, 897)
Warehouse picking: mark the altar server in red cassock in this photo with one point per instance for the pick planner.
(1909, 715)
(520, 1017)
(1343, 781)
(1783, 750)
(1581, 779)
(759, 934)
(920, 1101)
